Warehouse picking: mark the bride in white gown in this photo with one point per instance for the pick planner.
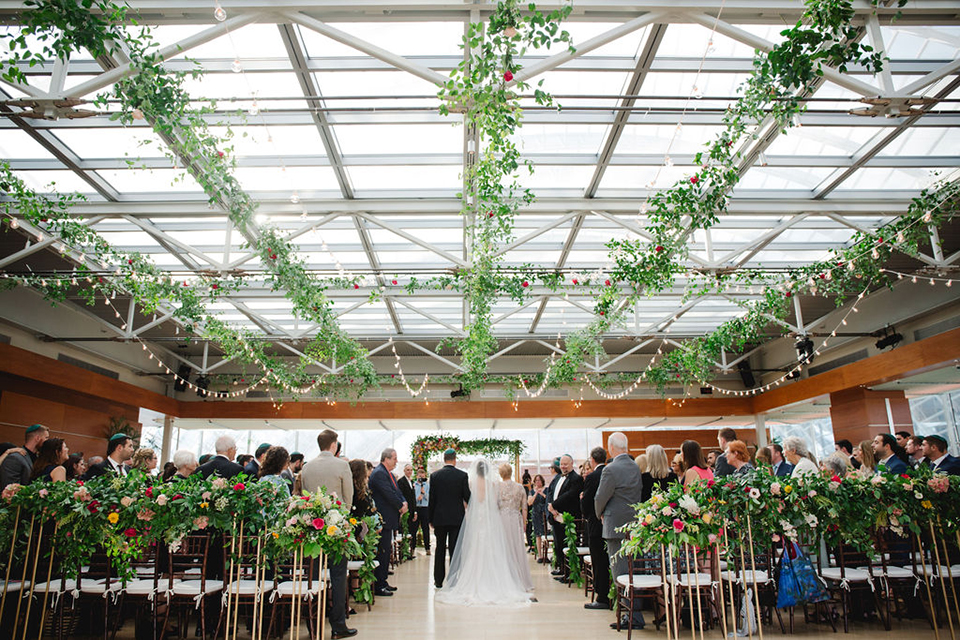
(482, 570)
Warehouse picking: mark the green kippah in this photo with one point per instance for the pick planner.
(939, 440)
(449, 452)
(118, 436)
(34, 428)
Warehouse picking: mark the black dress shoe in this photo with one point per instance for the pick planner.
(556, 572)
(390, 587)
(625, 624)
(385, 593)
(597, 605)
(343, 633)
(438, 585)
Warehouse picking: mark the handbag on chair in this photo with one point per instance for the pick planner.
(798, 582)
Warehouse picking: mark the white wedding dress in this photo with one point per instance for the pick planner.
(482, 571)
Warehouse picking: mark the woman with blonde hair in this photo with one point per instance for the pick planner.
(657, 474)
(641, 461)
(512, 500)
(863, 452)
(144, 460)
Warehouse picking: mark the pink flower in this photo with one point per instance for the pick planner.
(239, 486)
(146, 515)
(161, 499)
(678, 525)
(219, 483)
(43, 493)
(10, 491)
(201, 522)
(776, 537)
(126, 501)
(712, 538)
(318, 523)
(206, 495)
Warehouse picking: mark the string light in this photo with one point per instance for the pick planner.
(219, 13)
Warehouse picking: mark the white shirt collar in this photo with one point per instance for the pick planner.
(936, 463)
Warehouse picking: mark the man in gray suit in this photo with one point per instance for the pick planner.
(620, 488)
(18, 465)
(332, 474)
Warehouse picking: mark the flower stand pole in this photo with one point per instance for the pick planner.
(926, 582)
(322, 604)
(753, 578)
(227, 581)
(23, 577)
(239, 563)
(33, 581)
(46, 590)
(946, 557)
(258, 572)
(723, 608)
(696, 585)
(730, 563)
(674, 590)
(943, 583)
(6, 578)
(666, 590)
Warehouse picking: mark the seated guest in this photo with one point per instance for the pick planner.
(184, 464)
(935, 450)
(676, 465)
(17, 467)
(695, 468)
(865, 456)
(207, 457)
(738, 457)
(252, 468)
(796, 452)
(169, 470)
(51, 461)
(902, 437)
(243, 459)
(846, 448)
(890, 455)
(835, 464)
(658, 474)
(120, 448)
(144, 460)
(641, 461)
(763, 459)
(274, 462)
(781, 468)
(76, 466)
(914, 449)
(712, 458)
(222, 464)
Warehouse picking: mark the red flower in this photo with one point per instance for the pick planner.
(93, 507)
(131, 533)
(659, 248)
(575, 281)
(710, 483)
(318, 523)
(356, 286)
(823, 276)
(186, 284)
(788, 294)
(214, 286)
(507, 76)
(220, 153)
(601, 313)
(177, 497)
(129, 260)
(490, 214)
(678, 525)
(239, 486)
(837, 478)
(694, 180)
(606, 282)
(525, 284)
(149, 492)
(393, 282)
(904, 476)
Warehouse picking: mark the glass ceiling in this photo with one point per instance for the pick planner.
(378, 160)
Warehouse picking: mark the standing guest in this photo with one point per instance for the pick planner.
(406, 488)
(902, 437)
(724, 437)
(738, 456)
(391, 505)
(659, 474)
(144, 460)
(566, 499)
(512, 504)
(333, 474)
(274, 463)
(620, 488)
(914, 449)
(796, 452)
(598, 548)
(641, 461)
(76, 466)
(526, 480)
(935, 450)
(292, 469)
(17, 467)
(362, 501)
(694, 466)
(221, 464)
(537, 504)
(51, 461)
(846, 448)
(864, 456)
(781, 468)
(447, 501)
(889, 454)
(252, 468)
(421, 498)
(120, 448)
(184, 464)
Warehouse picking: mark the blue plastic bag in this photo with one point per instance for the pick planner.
(798, 583)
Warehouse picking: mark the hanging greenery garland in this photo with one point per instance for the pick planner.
(426, 446)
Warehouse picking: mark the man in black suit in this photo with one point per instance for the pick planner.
(391, 505)
(598, 548)
(222, 464)
(449, 494)
(935, 450)
(781, 468)
(566, 499)
(253, 467)
(406, 488)
(724, 437)
(120, 448)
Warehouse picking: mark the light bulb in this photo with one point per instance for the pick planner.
(255, 109)
(236, 67)
(295, 197)
(697, 93)
(219, 13)
(667, 161)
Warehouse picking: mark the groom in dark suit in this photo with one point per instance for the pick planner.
(566, 499)
(449, 494)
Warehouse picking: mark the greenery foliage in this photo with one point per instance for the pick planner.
(425, 446)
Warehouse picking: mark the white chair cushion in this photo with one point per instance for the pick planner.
(748, 576)
(899, 572)
(15, 585)
(192, 587)
(97, 587)
(248, 587)
(640, 581)
(852, 575)
(587, 560)
(68, 585)
(289, 587)
(354, 565)
(144, 587)
(583, 551)
(690, 579)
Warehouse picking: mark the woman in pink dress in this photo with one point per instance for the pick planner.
(695, 467)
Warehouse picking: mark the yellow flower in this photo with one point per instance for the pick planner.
(113, 517)
(787, 489)
(332, 530)
(204, 505)
(649, 519)
(707, 518)
(926, 504)
(276, 535)
(353, 521)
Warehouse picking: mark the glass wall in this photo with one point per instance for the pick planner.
(938, 415)
(818, 434)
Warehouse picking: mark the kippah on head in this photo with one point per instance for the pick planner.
(940, 440)
(34, 428)
(119, 436)
(449, 452)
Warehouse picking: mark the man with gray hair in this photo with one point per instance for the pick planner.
(565, 498)
(620, 489)
(391, 505)
(186, 463)
(222, 464)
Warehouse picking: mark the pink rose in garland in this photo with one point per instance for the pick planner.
(318, 524)
(131, 533)
(239, 486)
(678, 525)
(201, 522)
(940, 483)
(507, 76)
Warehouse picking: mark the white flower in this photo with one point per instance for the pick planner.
(755, 493)
(775, 488)
(688, 503)
(811, 520)
(918, 495)
(334, 517)
(812, 493)
(667, 510)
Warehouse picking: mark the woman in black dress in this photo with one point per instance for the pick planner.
(50, 462)
(658, 473)
(537, 504)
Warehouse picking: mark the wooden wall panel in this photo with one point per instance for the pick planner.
(671, 440)
(860, 414)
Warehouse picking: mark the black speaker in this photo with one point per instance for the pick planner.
(746, 374)
(183, 376)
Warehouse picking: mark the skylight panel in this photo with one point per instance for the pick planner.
(565, 138)
(401, 38)
(921, 43)
(112, 142)
(244, 87)
(646, 139)
(685, 40)
(303, 179)
(249, 42)
(624, 46)
(382, 178)
(397, 139)
(925, 141)
(682, 85)
(150, 180)
(813, 141)
(387, 86)
(567, 85)
(881, 179)
(618, 178)
(769, 178)
(59, 181)
(274, 141)
(18, 144)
